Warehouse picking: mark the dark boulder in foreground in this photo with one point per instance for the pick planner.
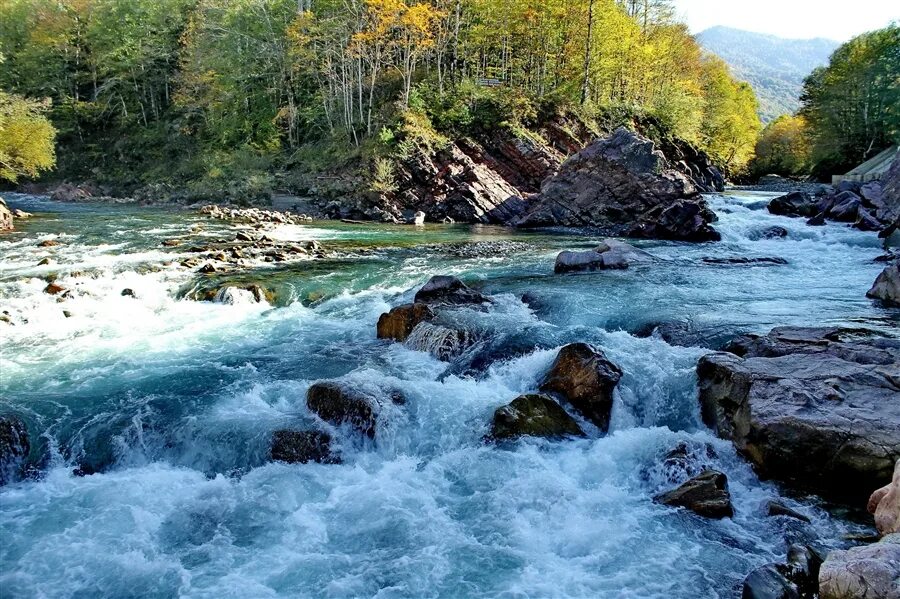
(535, 416)
(798, 578)
(623, 184)
(14, 448)
(887, 286)
(585, 378)
(337, 403)
(610, 254)
(448, 290)
(813, 408)
(301, 447)
(706, 494)
(399, 323)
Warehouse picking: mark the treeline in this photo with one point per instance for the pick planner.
(850, 112)
(215, 91)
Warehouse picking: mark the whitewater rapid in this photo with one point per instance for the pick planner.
(172, 403)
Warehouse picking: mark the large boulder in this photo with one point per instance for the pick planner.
(845, 207)
(14, 448)
(795, 203)
(868, 572)
(448, 290)
(338, 403)
(622, 183)
(887, 286)
(705, 494)
(884, 504)
(399, 323)
(797, 578)
(584, 377)
(301, 447)
(813, 408)
(888, 208)
(534, 416)
(6, 217)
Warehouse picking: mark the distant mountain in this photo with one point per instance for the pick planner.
(774, 66)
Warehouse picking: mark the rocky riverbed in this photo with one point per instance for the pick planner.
(340, 420)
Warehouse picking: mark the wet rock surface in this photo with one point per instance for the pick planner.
(534, 416)
(816, 409)
(301, 447)
(398, 324)
(609, 255)
(705, 494)
(446, 290)
(6, 217)
(14, 448)
(338, 403)
(887, 286)
(585, 378)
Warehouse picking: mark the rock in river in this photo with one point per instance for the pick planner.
(6, 217)
(610, 254)
(399, 323)
(813, 408)
(705, 494)
(533, 415)
(301, 447)
(622, 183)
(884, 504)
(585, 378)
(338, 403)
(448, 290)
(887, 285)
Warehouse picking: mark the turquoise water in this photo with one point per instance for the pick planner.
(172, 403)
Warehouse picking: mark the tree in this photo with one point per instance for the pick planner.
(852, 106)
(783, 148)
(26, 138)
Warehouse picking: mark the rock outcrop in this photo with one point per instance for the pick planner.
(884, 504)
(585, 378)
(534, 416)
(338, 403)
(706, 494)
(610, 254)
(816, 409)
(887, 286)
(868, 572)
(624, 185)
(6, 217)
(301, 447)
(14, 448)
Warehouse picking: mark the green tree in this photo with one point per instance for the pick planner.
(783, 148)
(26, 138)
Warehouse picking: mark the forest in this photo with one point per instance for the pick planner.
(242, 97)
(213, 94)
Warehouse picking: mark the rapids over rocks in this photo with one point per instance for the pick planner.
(151, 414)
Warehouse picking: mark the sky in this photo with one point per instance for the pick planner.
(839, 20)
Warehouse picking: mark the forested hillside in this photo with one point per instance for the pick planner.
(774, 66)
(247, 96)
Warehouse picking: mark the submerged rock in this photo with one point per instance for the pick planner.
(705, 494)
(610, 254)
(399, 323)
(869, 572)
(887, 286)
(584, 377)
(768, 582)
(776, 508)
(14, 448)
(623, 182)
(744, 260)
(301, 447)
(808, 408)
(535, 416)
(448, 290)
(338, 403)
(775, 232)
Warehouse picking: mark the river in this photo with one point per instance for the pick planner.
(172, 403)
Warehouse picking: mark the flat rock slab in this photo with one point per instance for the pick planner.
(817, 409)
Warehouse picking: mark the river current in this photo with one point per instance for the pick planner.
(168, 406)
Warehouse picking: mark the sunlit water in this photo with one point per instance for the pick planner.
(173, 402)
